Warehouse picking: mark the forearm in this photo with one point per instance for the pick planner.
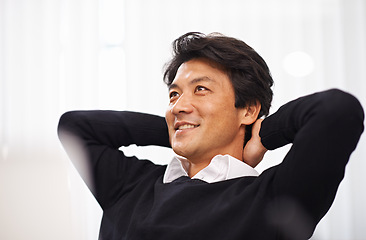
(115, 129)
(330, 111)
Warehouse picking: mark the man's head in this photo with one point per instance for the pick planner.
(223, 58)
(246, 69)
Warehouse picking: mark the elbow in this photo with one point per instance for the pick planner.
(343, 111)
(344, 105)
(67, 120)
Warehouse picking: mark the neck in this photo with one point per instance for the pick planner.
(194, 168)
(235, 149)
(197, 164)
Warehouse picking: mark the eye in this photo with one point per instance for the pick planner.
(173, 95)
(200, 88)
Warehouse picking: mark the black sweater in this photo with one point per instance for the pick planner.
(284, 202)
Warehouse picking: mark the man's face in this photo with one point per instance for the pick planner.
(201, 116)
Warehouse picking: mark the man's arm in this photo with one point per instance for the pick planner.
(324, 128)
(92, 140)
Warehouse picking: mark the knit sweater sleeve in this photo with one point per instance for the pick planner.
(324, 129)
(92, 140)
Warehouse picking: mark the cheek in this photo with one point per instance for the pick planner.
(169, 119)
(168, 116)
(225, 118)
(220, 109)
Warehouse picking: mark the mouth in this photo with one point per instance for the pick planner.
(186, 126)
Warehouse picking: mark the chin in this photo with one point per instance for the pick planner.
(184, 148)
(181, 152)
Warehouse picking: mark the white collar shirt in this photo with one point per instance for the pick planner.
(221, 167)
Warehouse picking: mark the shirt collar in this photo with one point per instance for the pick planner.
(221, 167)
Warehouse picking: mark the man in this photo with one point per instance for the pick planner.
(218, 88)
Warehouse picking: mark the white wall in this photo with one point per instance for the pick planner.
(60, 55)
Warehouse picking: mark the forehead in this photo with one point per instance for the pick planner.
(201, 69)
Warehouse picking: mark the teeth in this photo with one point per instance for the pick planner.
(186, 126)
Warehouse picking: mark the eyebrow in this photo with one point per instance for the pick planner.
(193, 81)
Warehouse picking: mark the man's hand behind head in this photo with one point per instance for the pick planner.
(254, 150)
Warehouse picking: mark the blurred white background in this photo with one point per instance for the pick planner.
(60, 55)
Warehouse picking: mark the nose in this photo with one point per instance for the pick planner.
(182, 105)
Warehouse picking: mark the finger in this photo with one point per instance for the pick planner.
(256, 127)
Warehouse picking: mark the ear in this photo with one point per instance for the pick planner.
(250, 113)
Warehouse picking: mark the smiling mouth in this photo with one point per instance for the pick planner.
(187, 126)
